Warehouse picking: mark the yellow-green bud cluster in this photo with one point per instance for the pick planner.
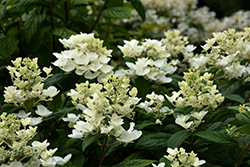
(27, 82)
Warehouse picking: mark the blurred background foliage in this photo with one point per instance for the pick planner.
(225, 7)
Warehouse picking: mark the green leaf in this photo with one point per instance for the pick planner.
(166, 161)
(235, 97)
(58, 115)
(178, 138)
(71, 142)
(8, 45)
(145, 124)
(153, 141)
(63, 32)
(81, 1)
(139, 8)
(243, 129)
(236, 108)
(79, 161)
(230, 87)
(55, 79)
(89, 140)
(10, 108)
(243, 119)
(217, 137)
(28, 3)
(135, 163)
(129, 59)
(143, 87)
(56, 103)
(117, 13)
(32, 25)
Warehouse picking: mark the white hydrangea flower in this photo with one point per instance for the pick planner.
(86, 56)
(128, 136)
(182, 121)
(162, 164)
(42, 111)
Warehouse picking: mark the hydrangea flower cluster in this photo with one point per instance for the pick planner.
(85, 55)
(226, 50)
(182, 158)
(27, 82)
(196, 91)
(155, 59)
(15, 145)
(104, 107)
(154, 106)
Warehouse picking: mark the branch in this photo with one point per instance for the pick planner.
(98, 17)
(243, 155)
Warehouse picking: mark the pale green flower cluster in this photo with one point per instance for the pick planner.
(27, 82)
(155, 59)
(196, 91)
(182, 158)
(243, 109)
(104, 106)
(85, 55)
(154, 106)
(227, 50)
(15, 148)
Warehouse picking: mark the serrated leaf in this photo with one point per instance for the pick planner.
(58, 114)
(10, 108)
(230, 87)
(32, 25)
(143, 87)
(63, 32)
(28, 3)
(139, 8)
(135, 163)
(144, 124)
(166, 161)
(236, 108)
(242, 119)
(56, 103)
(79, 161)
(235, 97)
(70, 142)
(243, 129)
(89, 140)
(55, 79)
(217, 137)
(81, 1)
(117, 13)
(153, 141)
(178, 138)
(8, 45)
